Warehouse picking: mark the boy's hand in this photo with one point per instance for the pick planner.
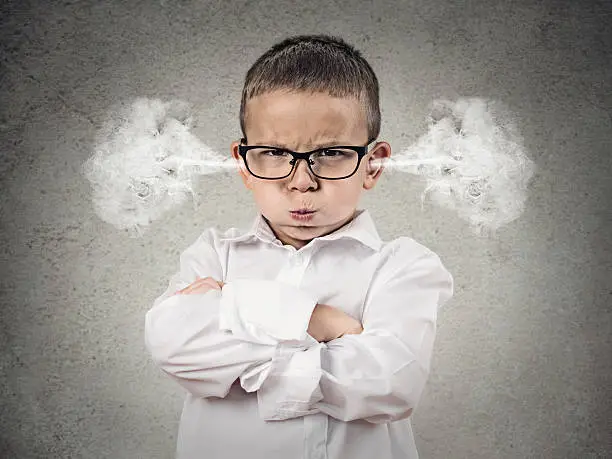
(328, 323)
(200, 285)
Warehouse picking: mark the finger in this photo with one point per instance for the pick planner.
(202, 286)
(193, 285)
(197, 286)
(216, 284)
(211, 284)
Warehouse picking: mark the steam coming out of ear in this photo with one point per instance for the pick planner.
(473, 160)
(146, 161)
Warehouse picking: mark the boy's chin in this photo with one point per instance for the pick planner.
(308, 227)
(303, 229)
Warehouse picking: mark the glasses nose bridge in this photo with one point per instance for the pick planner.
(297, 156)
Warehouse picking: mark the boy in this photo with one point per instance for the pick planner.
(306, 336)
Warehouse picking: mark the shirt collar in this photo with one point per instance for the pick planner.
(361, 229)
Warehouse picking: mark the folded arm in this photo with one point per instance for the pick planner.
(207, 341)
(378, 375)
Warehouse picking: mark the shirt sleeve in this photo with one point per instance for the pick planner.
(378, 375)
(205, 350)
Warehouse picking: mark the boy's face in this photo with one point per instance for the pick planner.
(302, 121)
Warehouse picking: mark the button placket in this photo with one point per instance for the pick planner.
(293, 271)
(298, 264)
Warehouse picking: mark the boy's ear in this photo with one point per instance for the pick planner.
(374, 166)
(242, 170)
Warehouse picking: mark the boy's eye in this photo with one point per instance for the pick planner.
(273, 153)
(333, 153)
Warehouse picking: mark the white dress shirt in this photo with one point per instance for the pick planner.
(259, 386)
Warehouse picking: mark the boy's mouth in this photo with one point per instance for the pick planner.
(302, 211)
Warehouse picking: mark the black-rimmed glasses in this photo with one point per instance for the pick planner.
(329, 163)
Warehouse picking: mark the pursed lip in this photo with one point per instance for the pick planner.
(302, 211)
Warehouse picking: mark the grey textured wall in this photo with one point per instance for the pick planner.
(522, 365)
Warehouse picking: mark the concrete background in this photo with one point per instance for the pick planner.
(522, 365)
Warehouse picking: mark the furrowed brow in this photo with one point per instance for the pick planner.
(332, 143)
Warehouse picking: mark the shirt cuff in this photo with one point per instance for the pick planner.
(292, 387)
(267, 312)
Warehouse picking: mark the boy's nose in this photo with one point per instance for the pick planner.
(301, 176)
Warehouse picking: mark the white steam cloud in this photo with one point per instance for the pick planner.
(146, 161)
(474, 161)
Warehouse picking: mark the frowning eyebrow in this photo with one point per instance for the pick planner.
(316, 147)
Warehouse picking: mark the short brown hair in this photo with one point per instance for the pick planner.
(317, 63)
